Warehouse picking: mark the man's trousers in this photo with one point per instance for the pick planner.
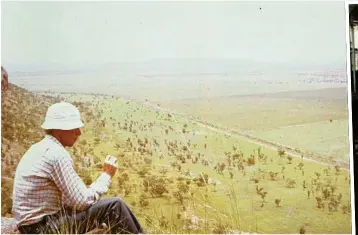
(113, 212)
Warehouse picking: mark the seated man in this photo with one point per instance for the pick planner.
(49, 196)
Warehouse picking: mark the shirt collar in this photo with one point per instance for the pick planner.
(54, 140)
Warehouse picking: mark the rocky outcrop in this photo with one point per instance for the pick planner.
(4, 80)
(8, 226)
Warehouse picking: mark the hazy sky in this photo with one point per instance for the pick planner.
(85, 33)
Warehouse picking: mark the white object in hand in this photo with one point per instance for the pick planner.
(111, 160)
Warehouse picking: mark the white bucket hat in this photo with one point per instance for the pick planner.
(62, 116)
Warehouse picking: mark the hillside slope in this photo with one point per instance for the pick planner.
(22, 114)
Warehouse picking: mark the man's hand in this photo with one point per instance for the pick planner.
(110, 165)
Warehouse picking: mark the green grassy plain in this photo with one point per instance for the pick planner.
(325, 138)
(313, 121)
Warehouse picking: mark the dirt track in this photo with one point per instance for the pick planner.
(264, 144)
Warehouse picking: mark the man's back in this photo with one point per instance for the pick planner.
(46, 180)
(35, 194)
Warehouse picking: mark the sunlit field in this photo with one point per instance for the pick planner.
(312, 121)
(233, 202)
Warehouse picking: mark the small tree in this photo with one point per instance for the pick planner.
(345, 209)
(263, 195)
(277, 202)
(290, 183)
(273, 175)
(326, 193)
(155, 185)
(319, 202)
(304, 185)
(338, 170)
(332, 205)
(97, 141)
(117, 146)
(281, 152)
(300, 166)
(183, 187)
(251, 160)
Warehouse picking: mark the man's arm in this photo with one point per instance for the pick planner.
(109, 169)
(100, 186)
(75, 192)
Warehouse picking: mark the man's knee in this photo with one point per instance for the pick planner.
(111, 200)
(116, 201)
(106, 204)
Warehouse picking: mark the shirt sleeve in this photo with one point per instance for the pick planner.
(101, 185)
(74, 192)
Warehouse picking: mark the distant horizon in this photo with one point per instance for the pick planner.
(174, 87)
(172, 64)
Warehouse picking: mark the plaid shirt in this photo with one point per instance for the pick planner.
(45, 182)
